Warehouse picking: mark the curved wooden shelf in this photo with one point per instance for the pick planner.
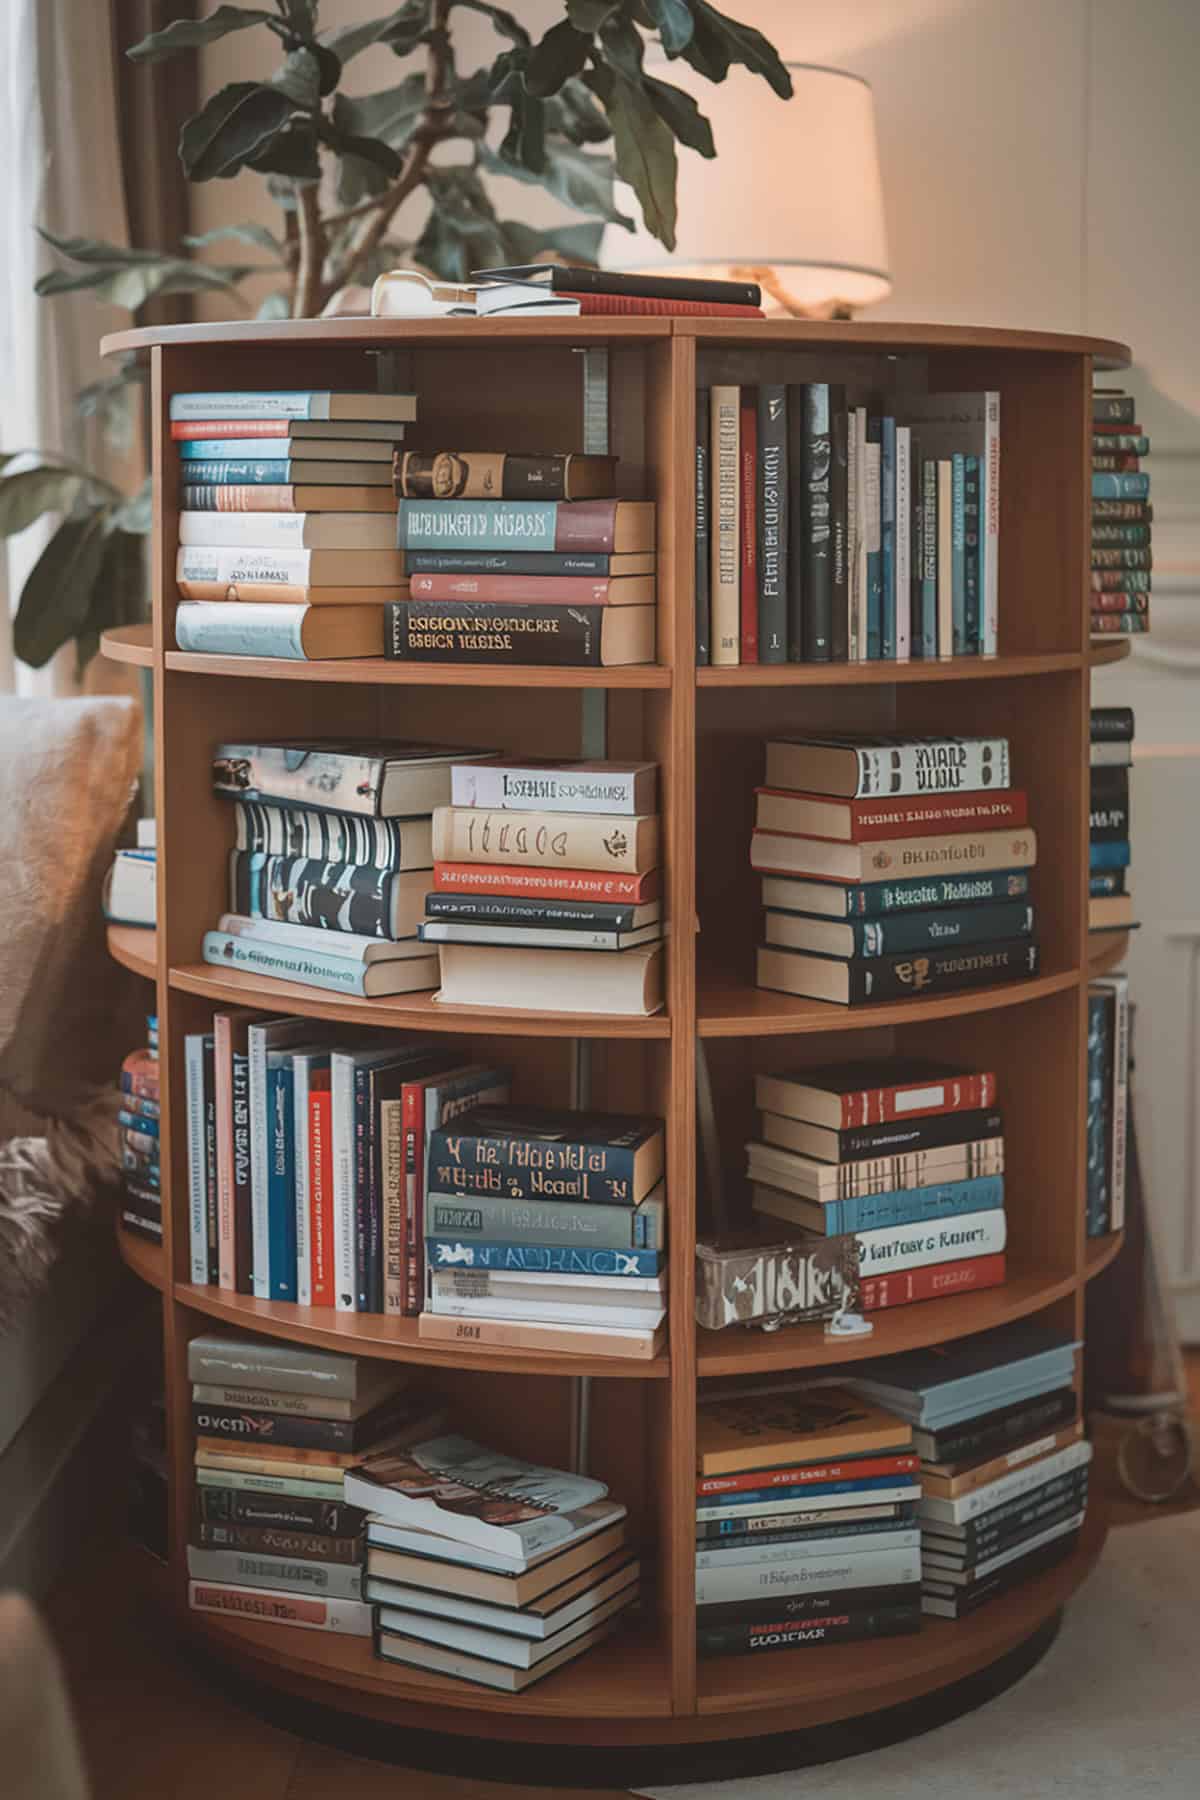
(840, 1677)
(886, 674)
(396, 1340)
(144, 1258)
(380, 671)
(1107, 649)
(740, 1351)
(1106, 950)
(1098, 1252)
(129, 644)
(404, 1012)
(726, 1008)
(135, 947)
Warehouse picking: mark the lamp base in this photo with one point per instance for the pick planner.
(771, 284)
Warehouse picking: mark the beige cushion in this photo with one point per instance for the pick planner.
(39, 1750)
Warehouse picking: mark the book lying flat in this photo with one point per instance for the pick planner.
(441, 1660)
(398, 1553)
(503, 1647)
(555, 981)
(296, 633)
(539, 1618)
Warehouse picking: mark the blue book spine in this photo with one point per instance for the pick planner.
(958, 552)
(874, 471)
(281, 1178)
(548, 1259)
(1109, 856)
(246, 472)
(887, 537)
(1097, 1200)
(223, 450)
(136, 1121)
(1120, 487)
(477, 525)
(283, 963)
(1107, 881)
(929, 557)
(754, 1496)
(912, 1206)
(875, 899)
(947, 925)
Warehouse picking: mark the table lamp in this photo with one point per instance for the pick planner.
(793, 199)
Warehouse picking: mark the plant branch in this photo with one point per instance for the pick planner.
(306, 292)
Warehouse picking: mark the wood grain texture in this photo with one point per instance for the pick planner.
(886, 674)
(730, 1010)
(142, 1256)
(1106, 951)
(379, 671)
(1109, 650)
(129, 644)
(1100, 1251)
(134, 947)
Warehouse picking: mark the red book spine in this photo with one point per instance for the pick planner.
(413, 1123)
(1110, 581)
(1114, 429)
(920, 816)
(544, 884)
(937, 1283)
(1113, 600)
(189, 429)
(917, 1099)
(642, 305)
(1127, 461)
(320, 1168)
(747, 511)
(1102, 621)
(860, 1469)
(570, 590)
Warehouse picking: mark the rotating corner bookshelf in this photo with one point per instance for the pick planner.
(519, 383)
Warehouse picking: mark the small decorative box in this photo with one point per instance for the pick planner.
(760, 1278)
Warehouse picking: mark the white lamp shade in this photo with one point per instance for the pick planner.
(794, 187)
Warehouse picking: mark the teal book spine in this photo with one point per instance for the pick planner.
(929, 558)
(973, 549)
(251, 472)
(556, 1224)
(958, 551)
(281, 1177)
(944, 925)
(1113, 855)
(874, 899)
(1120, 487)
(913, 1206)
(283, 963)
(542, 1259)
(477, 525)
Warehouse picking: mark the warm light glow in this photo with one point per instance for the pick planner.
(794, 190)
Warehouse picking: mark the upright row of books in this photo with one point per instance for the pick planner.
(905, 1157)
(1110, 899)
(138, 1130)
(1121, 516)
(892, 867)
(332, 1495)
(1107, 1104)
(846, 527)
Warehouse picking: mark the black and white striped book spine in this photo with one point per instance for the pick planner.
(332, 837)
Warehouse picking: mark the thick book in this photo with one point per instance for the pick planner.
(501, 475)
(739, 1529)
(287, 532)
(253, 1425)
(542, 1259)
(1104, 623)
(201, 567)
(763, 1550)
(272, 1606)
(848, 1568)
(949, 1481)
(972, 558)
(839, 525)
(521, 300)
(768, 1431)
(537, 937)
(1137, 511)
(269, 1540)
(553, 1224)
(1113, 408)
(609, 526)
(334, 898)
(293, 632)
(869, 820)
(520, 1295)
(802, 1170)
(198, 1072)
(630, 984)
(886, 937)
(988, 1433)
(279, 1483)
(851, 769)
(817, 450)
(384, 432)
(1117, 988)
(259, 471)
(531, 1153)
(348, 946)
(877, 899)
(599, 841)
(936, 1281)
(849, 1096)
(703, 504)
(282, 1368)
(771, 1633)
(440, 1659)
(330, 1522)
(542, 590)
(724, 525)
(896, 1208)
(276, 403)
(871, 488)
(244, 1568)
(747, 526)
(948, 1383)
(529, 632)
(554, 785)
(271, 829)
(893, 1248)
(772, 523)
(889, 624)
(223, 448)
(378, 780)
(284, 961)
(558, 279)
(948, 852)
(1107, 485)
(538, 1619)
(234, 513)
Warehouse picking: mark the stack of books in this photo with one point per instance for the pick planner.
(806, 1527)
(546, 1231)
(1003, 1458)
(286, 534)
(546, 887)
(842, 527)
(277, 1426)
(1110, 902)
(489, 1569)
(137, 1126)
(307, 1150)
(522, 560)
(894, 867)
(907, 1157)
(334, 849)
(129, 894)
(1121, 516)
(1108, 1104)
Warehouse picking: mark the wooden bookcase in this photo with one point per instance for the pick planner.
(517, 384)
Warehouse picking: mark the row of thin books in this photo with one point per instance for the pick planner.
(332, 1494)
(379, 1173)
(1122, 515)
(905, 1158)
(834, 526)
(138, 1134)
(892, 866)
(309, 530)
(1110, 899)
(385, 868)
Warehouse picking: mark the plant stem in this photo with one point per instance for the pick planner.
(307, 299)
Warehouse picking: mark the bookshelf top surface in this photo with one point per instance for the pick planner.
(838, 334)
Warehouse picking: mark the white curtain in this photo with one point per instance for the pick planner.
(60, 164)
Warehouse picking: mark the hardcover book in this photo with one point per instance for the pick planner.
(608, 526)
(546, 840)
(856, 768)
(527, 1153)
(896, 977)
(380, 780)
(543, 636)
(500, 475)
(550, 785)
(762, 1431)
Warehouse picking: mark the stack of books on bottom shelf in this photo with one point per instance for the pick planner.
(488, 1569)
(1107, 1104)
(1003, 1460)
(893, 867)
(546, 887)
(137, 1125)
(905, 1156)
(276, 1428)
(806, 1529)
(546, 1231)
(1110, 901)
(1121, 516)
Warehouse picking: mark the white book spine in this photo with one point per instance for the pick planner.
(991, 523)
(725, 465)
(866, 1543)
(1007, 1487)
(548, 1312)
(903, 543)
(510, 786)
(818, 1574)
(862, 529)
(301, 1068)
(947, 765)
(350, 946)
(198, 562)
(193, 1058)
(287, 531)
(896, 1247)
(236, 628)
(250, 404)
(352, 1618)
(342, 1135)
(260, 1160)
(772, 1504)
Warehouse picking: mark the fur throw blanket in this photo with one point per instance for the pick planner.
(67, 769)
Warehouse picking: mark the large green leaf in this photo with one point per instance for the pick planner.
(561, 54)
(192, 34)
(299, 77)
(525, 140)
(293, 153)
(28, 494)
(572, 113)
(391, 115)
(132, 286)
(575, 243)
(504, 22)
(645, 154)
(119, 593)
(462, 231)
(679, 111)
(96, 250)
(57, 595)
(111, 402)
(718, 41)
(580, 181)
(674, 21)
(400, 31)
(249, 233)
(301, 16)
(235, 127)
